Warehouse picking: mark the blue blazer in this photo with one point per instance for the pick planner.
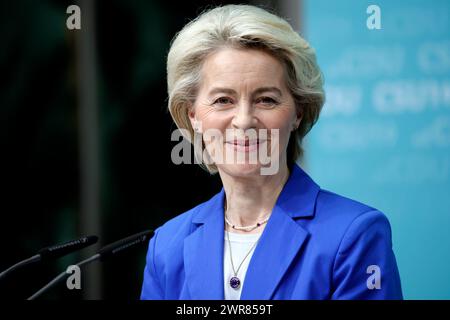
(316, 245)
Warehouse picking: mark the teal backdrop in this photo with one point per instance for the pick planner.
(384, 135)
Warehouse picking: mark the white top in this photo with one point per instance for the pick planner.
(240, 246)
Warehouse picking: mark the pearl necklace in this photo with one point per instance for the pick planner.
(246, 228)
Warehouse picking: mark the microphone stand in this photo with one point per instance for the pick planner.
(61, 277)
(20, 264)
(103, 254)
(53, 252)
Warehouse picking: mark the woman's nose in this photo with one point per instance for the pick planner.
(244, 117)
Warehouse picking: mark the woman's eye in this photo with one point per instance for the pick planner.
(223, 101)
(267, 101)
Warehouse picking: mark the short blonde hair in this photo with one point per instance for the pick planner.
(244, 27)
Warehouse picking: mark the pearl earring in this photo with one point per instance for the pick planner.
(196, 126)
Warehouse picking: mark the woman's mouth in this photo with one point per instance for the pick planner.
(245, 145)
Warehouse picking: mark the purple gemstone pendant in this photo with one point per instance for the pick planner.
(235, 282)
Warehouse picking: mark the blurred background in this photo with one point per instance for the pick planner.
(85, 133)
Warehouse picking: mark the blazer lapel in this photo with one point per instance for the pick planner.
(279, 244)
(282, 238)
(203, 252)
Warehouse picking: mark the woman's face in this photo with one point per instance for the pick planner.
(242, 92)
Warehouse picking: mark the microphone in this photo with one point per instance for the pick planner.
(103, 254)
(53, 252)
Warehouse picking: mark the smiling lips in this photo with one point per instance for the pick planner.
(245, 145)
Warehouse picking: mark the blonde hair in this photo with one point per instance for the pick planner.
(244, 26)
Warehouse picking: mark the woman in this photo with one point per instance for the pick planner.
(238, 71)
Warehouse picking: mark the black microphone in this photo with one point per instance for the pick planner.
(53, 252)
(103, 254)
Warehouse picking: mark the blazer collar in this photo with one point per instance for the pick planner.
(203, 250)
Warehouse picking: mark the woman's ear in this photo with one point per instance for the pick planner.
(193, 119)
(298, 120)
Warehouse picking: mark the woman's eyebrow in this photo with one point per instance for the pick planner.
(257, 91)
(268, 89)
(222, 90)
